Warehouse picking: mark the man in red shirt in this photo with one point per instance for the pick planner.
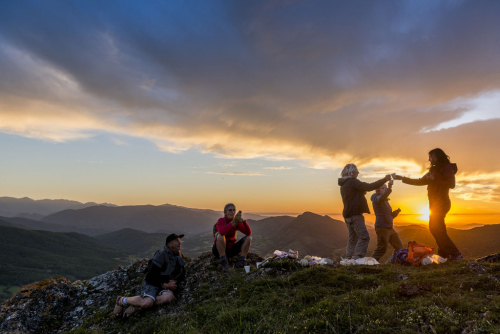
(225, 244)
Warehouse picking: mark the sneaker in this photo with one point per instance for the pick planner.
(241, 263)
(456, 257)
(118, 310)
(224, 264)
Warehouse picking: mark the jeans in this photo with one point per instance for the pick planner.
(358, 237)
(385, 236)
(446, 247)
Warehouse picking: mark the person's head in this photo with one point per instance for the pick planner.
(381, 189)
(350, 170)
(173, 242)
(229, 210)
(437, 157)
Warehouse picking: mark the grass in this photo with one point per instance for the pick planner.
(354, 299)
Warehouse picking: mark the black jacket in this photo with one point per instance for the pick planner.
(162, 272)
(353, 195)
(438, 190)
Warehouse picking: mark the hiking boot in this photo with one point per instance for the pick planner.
(241, 263)
(456, 257)
(224, 264)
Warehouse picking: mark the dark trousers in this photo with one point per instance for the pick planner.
(386, 236)
(446, 247)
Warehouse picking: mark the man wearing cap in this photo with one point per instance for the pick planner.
(164, 273)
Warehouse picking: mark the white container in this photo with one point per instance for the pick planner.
(247, 269)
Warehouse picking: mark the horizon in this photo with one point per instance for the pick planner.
(260, 104)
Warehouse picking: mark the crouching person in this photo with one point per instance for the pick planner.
(225, 231)
(163, 275)
(384, 221)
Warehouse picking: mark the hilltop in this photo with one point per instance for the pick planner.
(457, 297)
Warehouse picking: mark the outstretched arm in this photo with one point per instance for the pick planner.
(424, 180)
(358, 185)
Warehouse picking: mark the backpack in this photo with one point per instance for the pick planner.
(400, 257)
(417, 252)
(151, 264)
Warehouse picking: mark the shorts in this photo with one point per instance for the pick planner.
(230, 252)
(151, 291)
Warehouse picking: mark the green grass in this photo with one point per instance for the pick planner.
(332, 300)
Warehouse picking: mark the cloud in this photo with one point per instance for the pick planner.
(326, 83)
(279, 168)
(236, 173)
(478, 187)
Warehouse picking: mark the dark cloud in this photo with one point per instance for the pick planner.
(296, 78)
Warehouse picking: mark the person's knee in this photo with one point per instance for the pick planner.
(248, 240)
(167, 297)
(147, 302)
(221, 239)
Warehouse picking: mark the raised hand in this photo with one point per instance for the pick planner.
(397, 177)
(391, 182)
(387, 177)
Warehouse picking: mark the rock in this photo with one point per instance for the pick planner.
(402, 277)
(480, 269)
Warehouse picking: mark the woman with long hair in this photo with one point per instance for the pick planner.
(439, 180)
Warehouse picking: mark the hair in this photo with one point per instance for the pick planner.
(348, 170)
(227, 207)
(440, 157)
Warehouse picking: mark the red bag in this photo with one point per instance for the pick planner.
(417, 252)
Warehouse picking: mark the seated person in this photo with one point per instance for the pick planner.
(384, 221)
(163, 275)
(225, 244)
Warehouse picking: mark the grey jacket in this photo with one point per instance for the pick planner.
(384, 215)
(353, 195)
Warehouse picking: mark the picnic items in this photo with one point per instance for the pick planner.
(367, 261)
(434, 258)
(314, 260)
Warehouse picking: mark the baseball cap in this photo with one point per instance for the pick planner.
(173, 236)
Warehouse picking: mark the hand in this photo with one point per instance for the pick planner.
(237, 219)
(391, 182)
(171, 285)
(397, 177)
(387, 177)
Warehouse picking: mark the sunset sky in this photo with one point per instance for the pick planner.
(261, 103)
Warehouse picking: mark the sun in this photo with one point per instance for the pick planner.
(424, 213)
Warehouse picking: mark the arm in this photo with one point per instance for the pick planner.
(224, 229)
(363, 186)
(153, 277)
(380, 198)
(423, 181)
(395, 213)
(244, 228)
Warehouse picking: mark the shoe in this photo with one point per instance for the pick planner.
(224, 264)
(118, 310)
(456, 257)
(241, 263)
(490, 258)
(131, 311)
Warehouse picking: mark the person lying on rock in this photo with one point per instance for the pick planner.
(165, 271)
(384, 217)
(225, 231)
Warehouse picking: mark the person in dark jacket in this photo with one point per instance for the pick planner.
(160, 282)
(353, 193)
(384, 217)
(439, 180)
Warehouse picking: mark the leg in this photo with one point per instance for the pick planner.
(141, 302)
(363, 236)
(164, 298)
(437, 226)
(395, 241)
(382, 241)
(221, 244)
(353, 239)
(246, 246)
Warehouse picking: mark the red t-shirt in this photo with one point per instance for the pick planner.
(225, 228)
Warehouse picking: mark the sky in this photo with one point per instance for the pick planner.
(260, 103)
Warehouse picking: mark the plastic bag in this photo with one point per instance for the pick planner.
(434, 258)
(324, 261)
(293, 254)
(280, 254)
(369, 261)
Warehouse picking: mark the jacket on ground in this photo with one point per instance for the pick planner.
(353, 195)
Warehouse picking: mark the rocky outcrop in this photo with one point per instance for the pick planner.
(55, 305)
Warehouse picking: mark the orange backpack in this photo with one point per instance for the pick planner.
(417, 252)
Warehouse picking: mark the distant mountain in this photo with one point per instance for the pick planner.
(28, 256)
(30, 224)
(149, 218)
(134, 242)
(10, 206)
(33, 216)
